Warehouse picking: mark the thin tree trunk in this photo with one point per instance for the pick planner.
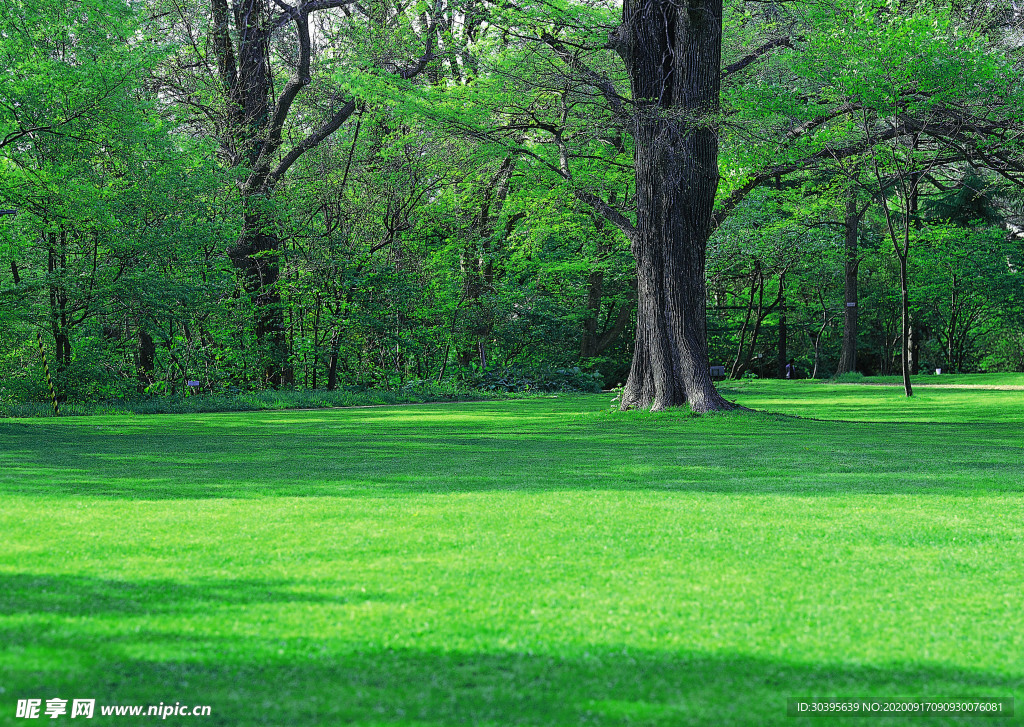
(147, 360)
(595, 290)
(444, 362)
(953, 309)
(57, 268)
(332, 366)
(905, 304)
(783, 356)
(739, 362)
(902, 249)
(816, 339)
(848, 357)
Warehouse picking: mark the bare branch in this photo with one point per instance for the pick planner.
(289, 11)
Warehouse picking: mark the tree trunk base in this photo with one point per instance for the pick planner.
(643, 395)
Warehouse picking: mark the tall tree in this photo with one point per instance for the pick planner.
(672, 53)
(243, 37)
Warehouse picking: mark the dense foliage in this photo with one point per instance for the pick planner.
(386, 195)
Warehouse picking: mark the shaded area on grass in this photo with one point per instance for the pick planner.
(529, 445)
(299, 682)
(78, 596)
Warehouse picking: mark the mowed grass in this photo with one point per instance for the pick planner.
(537, 562)
(929, 379)
(974, 400)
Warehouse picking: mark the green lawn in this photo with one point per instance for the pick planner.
(930, 379)
(536, 562)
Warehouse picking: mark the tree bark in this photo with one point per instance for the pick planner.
(672, 54)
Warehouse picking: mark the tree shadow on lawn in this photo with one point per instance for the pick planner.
(757, 456)
(84, 596)
(304, 683)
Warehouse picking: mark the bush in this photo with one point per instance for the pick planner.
(545, 380)
(249, 401)
(474, 386)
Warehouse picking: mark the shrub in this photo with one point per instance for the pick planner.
(250, 401)
(546, 380)
(852, 377)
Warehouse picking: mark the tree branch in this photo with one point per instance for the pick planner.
(827, 154)
(288, 12)
(227, 67)
(328, 128)
(299, 80)
(758, 53)
(600, 82)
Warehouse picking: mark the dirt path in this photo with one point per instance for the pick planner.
(992, 387)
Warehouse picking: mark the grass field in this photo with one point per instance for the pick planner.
(536, 562)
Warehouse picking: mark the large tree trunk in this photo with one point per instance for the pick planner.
(848, 357)
(248, 87)
(255, 118)
(672, 53)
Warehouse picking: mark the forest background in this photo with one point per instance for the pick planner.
(215, 196)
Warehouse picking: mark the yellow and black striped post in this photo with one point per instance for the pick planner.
(46, 367)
